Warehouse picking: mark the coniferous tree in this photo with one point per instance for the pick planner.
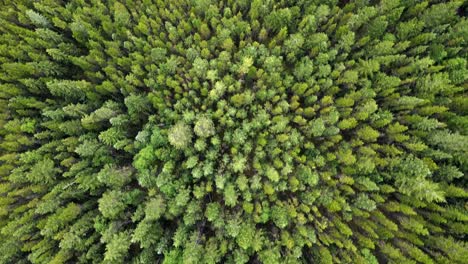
(233, 131)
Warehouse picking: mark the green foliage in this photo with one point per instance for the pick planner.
(272, 174)
(233, 131)
(111, 204)
(204, 127)
(117, 248)
(279, 215)
(155, 208)
(37, 19)
(317, 127)
(306, 175)
(180, 135)
(246, 236)
(411, 179)
(43, 171)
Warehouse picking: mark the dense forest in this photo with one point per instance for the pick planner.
(233, 131)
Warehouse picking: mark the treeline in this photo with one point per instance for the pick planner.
(236, 131)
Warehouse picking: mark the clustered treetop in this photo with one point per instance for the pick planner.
(238, 131)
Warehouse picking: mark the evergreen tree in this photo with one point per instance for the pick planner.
(233, 131)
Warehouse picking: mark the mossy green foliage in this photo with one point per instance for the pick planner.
(201, 131)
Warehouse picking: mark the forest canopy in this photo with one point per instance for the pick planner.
(235, 131)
